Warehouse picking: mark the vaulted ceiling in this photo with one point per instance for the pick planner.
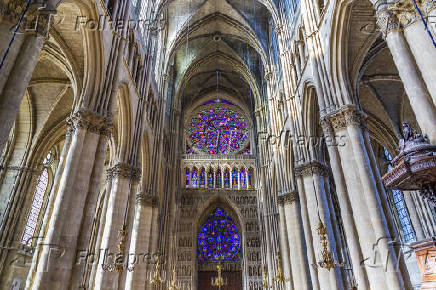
(217, 43)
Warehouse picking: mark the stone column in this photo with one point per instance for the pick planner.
(141, 242)
(414, 218)
(58, 253)
(284, 246)
(411, 77)
(317, 206)
(333, 141)
(366, 201)
(420, 43)
(298, 261)
(123, 184)
(20, 62)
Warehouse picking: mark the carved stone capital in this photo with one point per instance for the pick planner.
(90, 121)
(123, 170)
(387, 21)
(145, 197)
(346, 116)
(310, 168)
(288, 197)
(428, 6)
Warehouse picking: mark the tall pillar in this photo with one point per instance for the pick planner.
(312, 175)
(352, 236)
(420, 43)
(58, 253)
(298, 260)
(20, 61)
(284, 246)
(416, 90)
(414, 218)
(112, 230)
(141, 242)
(366, 201)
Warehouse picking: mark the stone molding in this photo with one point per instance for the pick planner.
(145, 197)
(123, 170)
(310, 168)
(22, 169)
(346, 116)
(90, 121)
(288, 197)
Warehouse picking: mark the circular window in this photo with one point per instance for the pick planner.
(218, 130)
(219, 239)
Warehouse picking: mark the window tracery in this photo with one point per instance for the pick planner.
(37, 201)
(219, 238)
(217, 130)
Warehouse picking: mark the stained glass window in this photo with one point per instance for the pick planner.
(250, 177)
(194, 177)
(218, 179)
(218, 130)
(189, 150)
(38, 198)
(217, 101)
(210, 179)
(235, 178)
(202, 178)
(187, 177)
(242, 178)
(400, 205)
(219, 239)
(226, 178)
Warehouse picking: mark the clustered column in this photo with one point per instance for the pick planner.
(354, 170)
(314, 202)
(68, 227)
(294, 231)
(417, 88)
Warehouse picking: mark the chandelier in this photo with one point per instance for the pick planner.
(218, 281)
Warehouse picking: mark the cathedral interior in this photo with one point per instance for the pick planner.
(218, 144)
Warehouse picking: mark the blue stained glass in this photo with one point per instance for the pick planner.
(210, 179)
(217, 101)
(187, 177)
(218, 130)
(202, 178)
(234, 178)
(249, 177)
(218, 179)
(403, 214)
(218, 238)
(242, 178)
(226, 178)
(194, 178)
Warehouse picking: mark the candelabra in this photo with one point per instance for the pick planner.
(119, 265)
(173, 285)
(218, 281)
(157, 278)
(326, 261)
(265, 284)
(280, 274)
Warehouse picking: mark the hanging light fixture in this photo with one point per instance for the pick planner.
(174, 283)
(265, 284)
(218, 281)
(280, 274)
